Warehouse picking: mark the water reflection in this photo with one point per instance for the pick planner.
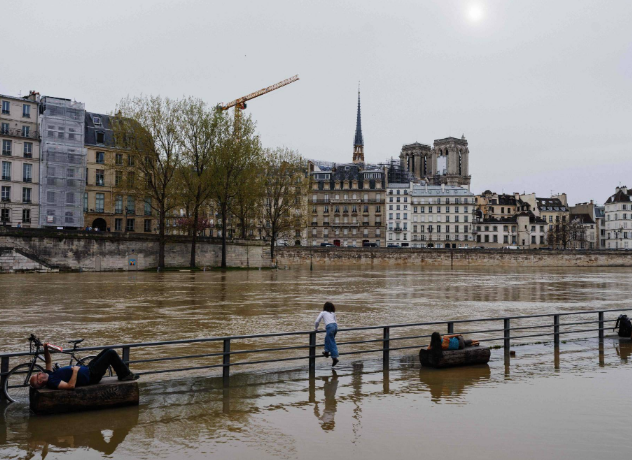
(453, 383)
(327, 418)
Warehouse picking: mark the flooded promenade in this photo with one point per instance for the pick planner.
(544, 403)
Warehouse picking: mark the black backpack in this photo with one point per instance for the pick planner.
(624, 325)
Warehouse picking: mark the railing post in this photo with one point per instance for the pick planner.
(386, 345)
(507, 334)
(601, 324)
(450, 327)
(556, 329)
(226, 362)
(312, 353)
(4, 368)
(126, 355)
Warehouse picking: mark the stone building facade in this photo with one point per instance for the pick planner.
(19, 161)
(522, 230)
(429, 216)
(345, 205)
(110, 202)
(618, 219)
(446, 162)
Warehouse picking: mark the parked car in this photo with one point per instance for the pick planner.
(326, 245)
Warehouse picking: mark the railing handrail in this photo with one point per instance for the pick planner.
(295, 333)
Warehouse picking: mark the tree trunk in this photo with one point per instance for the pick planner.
(196, 212)
(224, 213)
(161, 237)
(272, 241)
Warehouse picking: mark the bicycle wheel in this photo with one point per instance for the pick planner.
(85, 361)
(16, 387)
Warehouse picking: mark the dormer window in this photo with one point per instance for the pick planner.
(96, 121)
(100, 138)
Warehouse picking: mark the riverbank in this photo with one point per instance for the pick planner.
(393, 257)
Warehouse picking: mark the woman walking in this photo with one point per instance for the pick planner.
(328, 315)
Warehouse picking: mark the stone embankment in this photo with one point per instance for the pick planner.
(37, 250)
(384, 257)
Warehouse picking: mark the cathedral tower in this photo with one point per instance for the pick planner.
(358, 143)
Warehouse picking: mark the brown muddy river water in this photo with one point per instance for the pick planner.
(543, 403)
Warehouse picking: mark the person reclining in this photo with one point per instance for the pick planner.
(450, 342)
(70, 377)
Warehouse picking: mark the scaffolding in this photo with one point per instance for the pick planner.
(63, 167)
(397, 172)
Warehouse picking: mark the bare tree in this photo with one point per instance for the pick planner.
(247, 204)
(284, 190)
(238, 149)
(200, 136)
(148, 126)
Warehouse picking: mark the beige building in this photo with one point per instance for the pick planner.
(492, 204)
(522, 230)
(107, 203)
(19, 161)
(346, 205)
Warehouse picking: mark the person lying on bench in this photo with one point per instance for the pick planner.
(70, 377)
(450, 342)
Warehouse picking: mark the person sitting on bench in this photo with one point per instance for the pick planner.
(70, 377)
(450, 342)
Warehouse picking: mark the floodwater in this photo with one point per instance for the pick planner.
(545, 402)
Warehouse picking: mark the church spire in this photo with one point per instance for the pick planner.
(358, 143)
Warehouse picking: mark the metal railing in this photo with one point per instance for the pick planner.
(385, 340)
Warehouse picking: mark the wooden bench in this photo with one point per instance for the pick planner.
(104, 395)
(452, 358)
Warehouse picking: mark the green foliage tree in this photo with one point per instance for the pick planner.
(284, 194)
(149, 128)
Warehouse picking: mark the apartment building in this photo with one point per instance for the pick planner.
(110, 201)
(432, 216)
(618, 219)
(19, 161)
(523, 229)
(345, 204)
(63, 164)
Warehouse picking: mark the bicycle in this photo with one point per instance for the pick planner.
(16, 385)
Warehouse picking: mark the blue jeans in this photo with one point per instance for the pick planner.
(330, 340)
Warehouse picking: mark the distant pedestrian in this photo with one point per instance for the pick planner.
(328, 315)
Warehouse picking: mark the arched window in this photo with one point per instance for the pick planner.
(460, 162)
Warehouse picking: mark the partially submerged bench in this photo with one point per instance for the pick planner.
(452, 358)
(107, 394)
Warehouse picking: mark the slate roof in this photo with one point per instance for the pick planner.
(550, 204)
(620, 197)
(91, 129)
(583, 218)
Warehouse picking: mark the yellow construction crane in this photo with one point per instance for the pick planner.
(240, 104)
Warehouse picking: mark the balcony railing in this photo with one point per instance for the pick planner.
(17, 132)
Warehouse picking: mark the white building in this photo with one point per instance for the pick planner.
(421, 215)
(618, 220)
(20, 158)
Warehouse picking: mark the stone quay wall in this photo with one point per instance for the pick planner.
(89, 251)
(385, 257)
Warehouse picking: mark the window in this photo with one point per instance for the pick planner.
(129, 225)
(148, 206)
(4, 215)
(6, 107)
(26, 216)
(26, 195)
(28, 150)
(130, 179)
(6, 147)
(147, 226)
(100, 138)
(118, 225)
(70, 198)
(100, 202)
(100, 180)
(532, 239)
(27, 172)
(6, 170)
(26, 111)
(85, 202)
(118, 178)
(119, 159)
(100, 157)
(378, 209)
(96, 121)
(131, 206)
(5, 193)
(130, 160)
(25, 131)
(4, 128)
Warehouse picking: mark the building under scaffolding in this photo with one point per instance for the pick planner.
(397, 172)
(63, 167)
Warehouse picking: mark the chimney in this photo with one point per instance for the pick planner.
(624, 189)
(442, 187)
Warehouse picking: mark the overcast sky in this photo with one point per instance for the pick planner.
(540, 88)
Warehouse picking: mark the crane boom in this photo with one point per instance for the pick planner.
(238, 103)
